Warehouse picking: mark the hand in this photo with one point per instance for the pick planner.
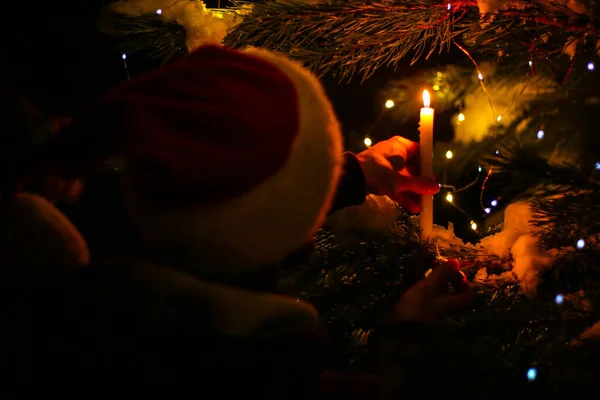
(392, 168)
(58, 189)
(429, 299)
(57, 124)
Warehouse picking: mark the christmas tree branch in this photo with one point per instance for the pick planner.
(564, 220)
(352, 37)
(565, 200)
(358, 37)
(148, 35)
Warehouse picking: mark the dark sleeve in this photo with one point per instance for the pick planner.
(81, 148)
(84, 146)
(352, 188)
(415, 359)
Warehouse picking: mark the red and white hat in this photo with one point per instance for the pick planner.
(233, 157)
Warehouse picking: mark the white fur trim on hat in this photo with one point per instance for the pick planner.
(275, 218)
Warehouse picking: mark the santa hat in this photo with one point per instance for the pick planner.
(232, 156)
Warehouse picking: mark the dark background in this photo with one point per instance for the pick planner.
(55, 56)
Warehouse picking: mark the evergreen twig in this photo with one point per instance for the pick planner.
(358, 37)
(147, 35)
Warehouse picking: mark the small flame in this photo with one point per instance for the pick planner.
(426, 98)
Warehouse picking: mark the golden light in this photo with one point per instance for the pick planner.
(449, 198)
(461, 117)
(499, 118)
(389, 104)
(368, 142)
(426, 99)
(473, 225)
(436, 87)
(449, 154)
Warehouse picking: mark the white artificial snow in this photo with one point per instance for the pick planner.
(377, 213)
(516, 224)
(493, 6)
(529, 260)
(490, 6)
(202, 24)
(517, 240)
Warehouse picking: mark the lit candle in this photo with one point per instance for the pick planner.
(426, 142)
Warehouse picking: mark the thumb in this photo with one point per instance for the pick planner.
(59, 123)
(416, 184)
(447, 303)
(446, 272)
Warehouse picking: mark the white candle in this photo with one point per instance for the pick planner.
(426, 143)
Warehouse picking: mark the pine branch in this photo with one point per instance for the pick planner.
(355, 280)
(352, 37)
(523, 173)
(565, 200)
(566, 219)
(357, 37)
(148, 35)
(360, 36)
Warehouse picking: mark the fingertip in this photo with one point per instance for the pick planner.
(433, 190)
(453, 263)
(412, 207)
(429, 185)
(410, 202)
(448, 271)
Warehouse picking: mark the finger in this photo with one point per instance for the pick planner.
(449, 303)
(411, 202)
(54, 187)
(416, 184)
(411, 149)
(450, 262)
(413, 165)
(72, 192)
(397, 162)
(446, 272)
(59, 123)
(413, 160)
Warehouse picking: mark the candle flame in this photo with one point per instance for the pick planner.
(426, 98)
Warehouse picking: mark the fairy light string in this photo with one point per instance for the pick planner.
(124, 58)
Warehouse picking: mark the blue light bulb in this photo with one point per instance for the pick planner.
(559, 299)
(531, 374)
(540, 134)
